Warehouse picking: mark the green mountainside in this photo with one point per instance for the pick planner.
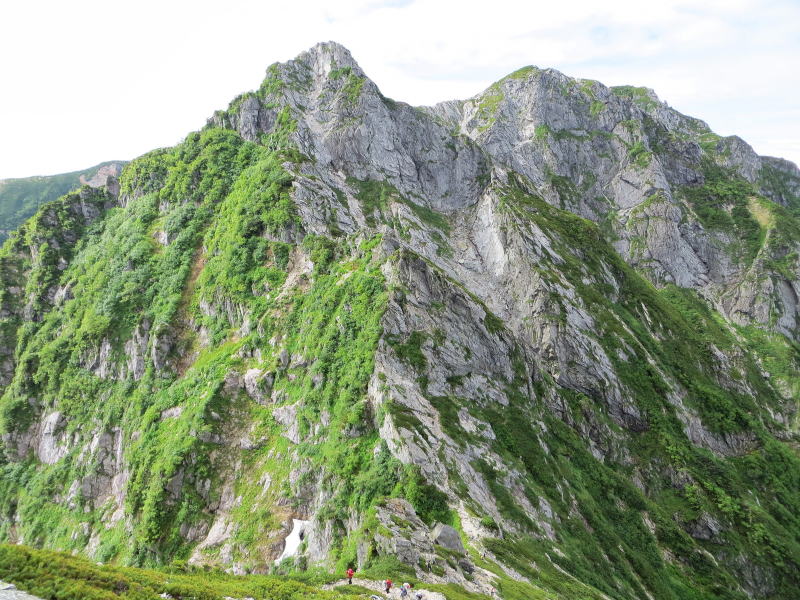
(64, 577)
(20, 198)
(541, 343)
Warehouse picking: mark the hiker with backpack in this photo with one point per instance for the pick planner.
(388, 585)
(350, 574)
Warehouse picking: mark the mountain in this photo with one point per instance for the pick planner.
(542, 343)
(20, 198)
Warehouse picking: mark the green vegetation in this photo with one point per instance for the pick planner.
(491, 99)
(353, 83)
(541, 132)
(780, 357)
(721, 204)
(273, 83)
(353, 590)
(639, 95)
(410, 351)
(639, 155)
(374, 197)
(522, 73)
(596, 107)
(429, 502)
(565, 188)
(710, 143)
(488, 106)
(430, 217)
(59, 576)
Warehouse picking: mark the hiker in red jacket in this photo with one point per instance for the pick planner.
(388, 584)
(350, 574)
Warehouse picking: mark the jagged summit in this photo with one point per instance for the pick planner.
(327, 52)
(537, 343)
(616, 156)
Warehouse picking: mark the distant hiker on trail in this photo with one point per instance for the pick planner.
(404, 590)
(388, 584)
(350, 574)
(418, 595)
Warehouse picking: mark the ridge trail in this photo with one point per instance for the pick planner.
(377, 586)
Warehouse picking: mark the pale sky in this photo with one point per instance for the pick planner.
(85, 81)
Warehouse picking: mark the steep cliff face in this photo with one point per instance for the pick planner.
(557, 316)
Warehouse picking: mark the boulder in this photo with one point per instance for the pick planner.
(447, 537)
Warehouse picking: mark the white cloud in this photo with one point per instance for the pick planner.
(87, 81)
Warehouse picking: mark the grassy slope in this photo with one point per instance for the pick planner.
(59, 576)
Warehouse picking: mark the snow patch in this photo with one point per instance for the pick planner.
(294, 539)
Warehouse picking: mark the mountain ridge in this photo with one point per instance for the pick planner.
(568, 330)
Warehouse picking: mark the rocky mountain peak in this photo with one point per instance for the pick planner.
(328, 55)
(603, 153)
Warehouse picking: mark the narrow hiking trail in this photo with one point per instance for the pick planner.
(377, 587)
(9, 591)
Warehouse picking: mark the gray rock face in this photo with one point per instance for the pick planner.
(405, 536)
(705, 527)
(287, 416)
(258, 385)
(105, 176)
(49, 449)
(779, 180)
(574, 141)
